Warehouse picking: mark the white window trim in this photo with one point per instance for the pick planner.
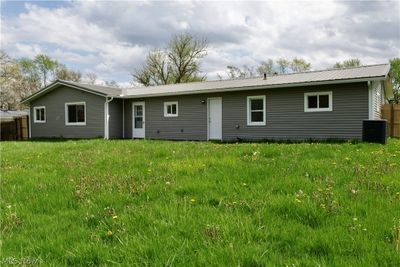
(259, 123)
(66, 114)
(166, 104)
(306, 95)
(34, 114)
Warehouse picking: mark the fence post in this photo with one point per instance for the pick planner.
(392, 120)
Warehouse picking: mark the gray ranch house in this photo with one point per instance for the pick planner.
(329, 104)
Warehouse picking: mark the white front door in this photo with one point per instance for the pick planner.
(138, 119)
(215, 118)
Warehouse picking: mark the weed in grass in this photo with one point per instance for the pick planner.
(396, 234)
(10, 221)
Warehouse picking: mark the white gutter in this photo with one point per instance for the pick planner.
(107, 118)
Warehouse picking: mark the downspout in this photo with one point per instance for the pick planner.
(29, 123)
(106, 117)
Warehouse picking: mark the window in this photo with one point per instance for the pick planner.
(170, 109)
(75, 113)
(39, 114)
(256, 110)
(318, 101)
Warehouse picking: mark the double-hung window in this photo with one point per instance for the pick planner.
(256, 109)
(39, 114)
(171, 109)
(75, 113)
(317, 101)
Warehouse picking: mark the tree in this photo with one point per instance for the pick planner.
(395, 76)
(91, 77)
(9, 79)
(63, 73)
(234, 72)
(178, 63)
(266, 67)
(283, 65)
(299, 65)
(349, 63)
(23, 77)
(46, 66)
(112, 83)
(30, 73)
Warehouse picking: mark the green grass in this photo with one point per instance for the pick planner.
(200, 204)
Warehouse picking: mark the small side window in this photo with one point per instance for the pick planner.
(256, 110)
(171, 109)
(317, 101)
(39, 114)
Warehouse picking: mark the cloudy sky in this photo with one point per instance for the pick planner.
(112, 38)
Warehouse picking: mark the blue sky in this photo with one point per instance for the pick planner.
(111, 39)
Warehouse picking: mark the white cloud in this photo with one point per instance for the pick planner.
(28, 51)
(113, 38)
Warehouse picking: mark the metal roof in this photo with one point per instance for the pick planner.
(285, 80)
(106, 90)
(357, 74)
(94, 89)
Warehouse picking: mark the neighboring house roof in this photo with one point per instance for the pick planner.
(94, 89)
(364, 73)
(11, 114)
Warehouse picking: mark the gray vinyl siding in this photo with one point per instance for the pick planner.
(128, 118)
(191, 123)
(55, 114)
(285, 117)
(115, 118)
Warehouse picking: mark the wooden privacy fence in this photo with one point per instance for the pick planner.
(15, 128)
(391, 113)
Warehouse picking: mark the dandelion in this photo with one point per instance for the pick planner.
(115, 217)
(193, 200)
(109, 233)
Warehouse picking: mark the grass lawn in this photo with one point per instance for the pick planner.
(161, 203)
